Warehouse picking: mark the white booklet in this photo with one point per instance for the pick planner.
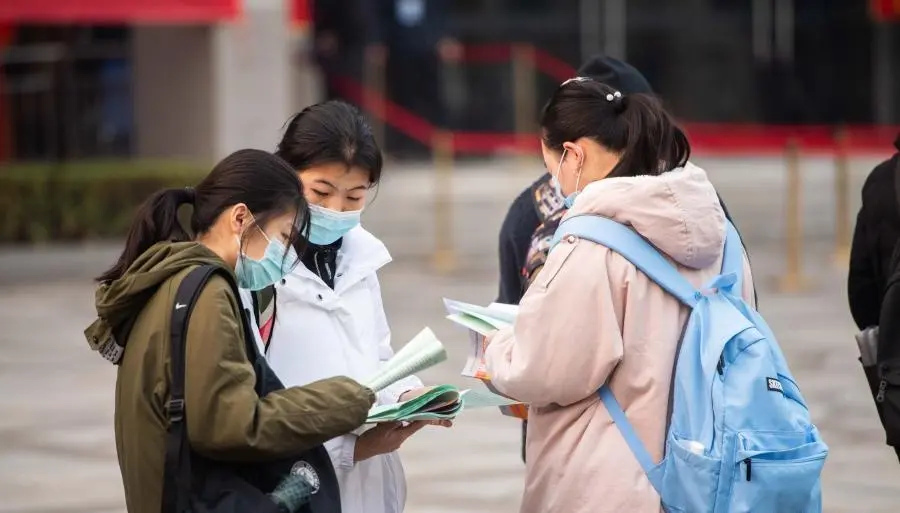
(422, 352)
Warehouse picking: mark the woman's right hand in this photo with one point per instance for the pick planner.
(384, 438)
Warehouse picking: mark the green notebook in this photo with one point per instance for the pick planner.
(444, 402)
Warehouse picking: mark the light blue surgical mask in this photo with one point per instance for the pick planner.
(276, 263)
(327, 226)
(554, 179)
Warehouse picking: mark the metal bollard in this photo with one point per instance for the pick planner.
(793, 279)
(841, 256)
(525, 97)
(374, 98)
(444, 257)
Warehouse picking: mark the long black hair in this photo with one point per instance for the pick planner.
(265, 183)
(332, 132)
(634, 125)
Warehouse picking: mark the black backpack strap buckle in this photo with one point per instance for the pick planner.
(175, 410)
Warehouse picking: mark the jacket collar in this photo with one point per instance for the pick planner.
(361, 254)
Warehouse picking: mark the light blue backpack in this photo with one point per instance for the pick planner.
(740, 437)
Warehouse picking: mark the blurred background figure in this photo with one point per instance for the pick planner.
(419, 43)
(346, 33)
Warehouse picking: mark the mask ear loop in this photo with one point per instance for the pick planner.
(562, 159)
(580, 169)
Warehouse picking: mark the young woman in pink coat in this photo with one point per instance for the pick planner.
(590, 317)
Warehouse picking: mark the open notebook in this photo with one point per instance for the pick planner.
(482, 321)
(422, 352)
(443, 402)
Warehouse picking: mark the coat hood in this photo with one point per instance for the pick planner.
(677, 211)
(119, 302)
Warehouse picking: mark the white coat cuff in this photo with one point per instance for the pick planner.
(347, 457)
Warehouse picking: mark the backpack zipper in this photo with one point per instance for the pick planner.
(882, 388)
(747, 461)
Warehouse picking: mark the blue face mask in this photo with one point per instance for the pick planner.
(554, 179)
(275, 264)
(327, 226)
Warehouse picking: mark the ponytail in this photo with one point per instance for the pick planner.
(156, 221)
(654, 143)
(636, 126)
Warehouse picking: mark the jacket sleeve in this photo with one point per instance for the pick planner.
(567, 339)
(863, 292)
(226, 418)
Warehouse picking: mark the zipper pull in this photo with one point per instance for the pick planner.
(748, 461)
(720, 367)
(882, 388)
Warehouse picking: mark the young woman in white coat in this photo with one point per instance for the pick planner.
(329, 318)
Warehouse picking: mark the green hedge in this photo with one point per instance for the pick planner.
(81, 200)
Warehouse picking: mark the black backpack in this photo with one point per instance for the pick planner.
(884, 376)
(194, 484)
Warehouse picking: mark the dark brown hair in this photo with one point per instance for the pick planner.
(265, 183)
(332, 132)
(634, 125)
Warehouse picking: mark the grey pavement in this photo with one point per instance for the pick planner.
(56, 442)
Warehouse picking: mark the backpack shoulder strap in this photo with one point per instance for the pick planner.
(733, 260)
(177, 477)
(634, 248)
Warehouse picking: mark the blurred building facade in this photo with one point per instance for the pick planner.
(174, 78)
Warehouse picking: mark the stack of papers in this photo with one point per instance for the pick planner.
(482, 321)
(422, 352)
(444, 402)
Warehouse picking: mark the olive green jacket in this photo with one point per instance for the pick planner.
(226, 420)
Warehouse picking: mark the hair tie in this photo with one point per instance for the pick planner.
(618, 100)
(190, 194)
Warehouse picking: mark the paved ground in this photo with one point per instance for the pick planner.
(56, 442)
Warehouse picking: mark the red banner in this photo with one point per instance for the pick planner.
(118, 11)
(301, 13)
(885, 10)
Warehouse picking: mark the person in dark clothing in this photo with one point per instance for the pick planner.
(347, 34)
(535, 214)
(874, 257)
(874, 239)
(418, 41)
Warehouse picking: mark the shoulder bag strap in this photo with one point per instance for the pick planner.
(177, 476)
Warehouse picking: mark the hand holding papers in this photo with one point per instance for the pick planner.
(481, 322)
(443, 402)
(422, 352)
